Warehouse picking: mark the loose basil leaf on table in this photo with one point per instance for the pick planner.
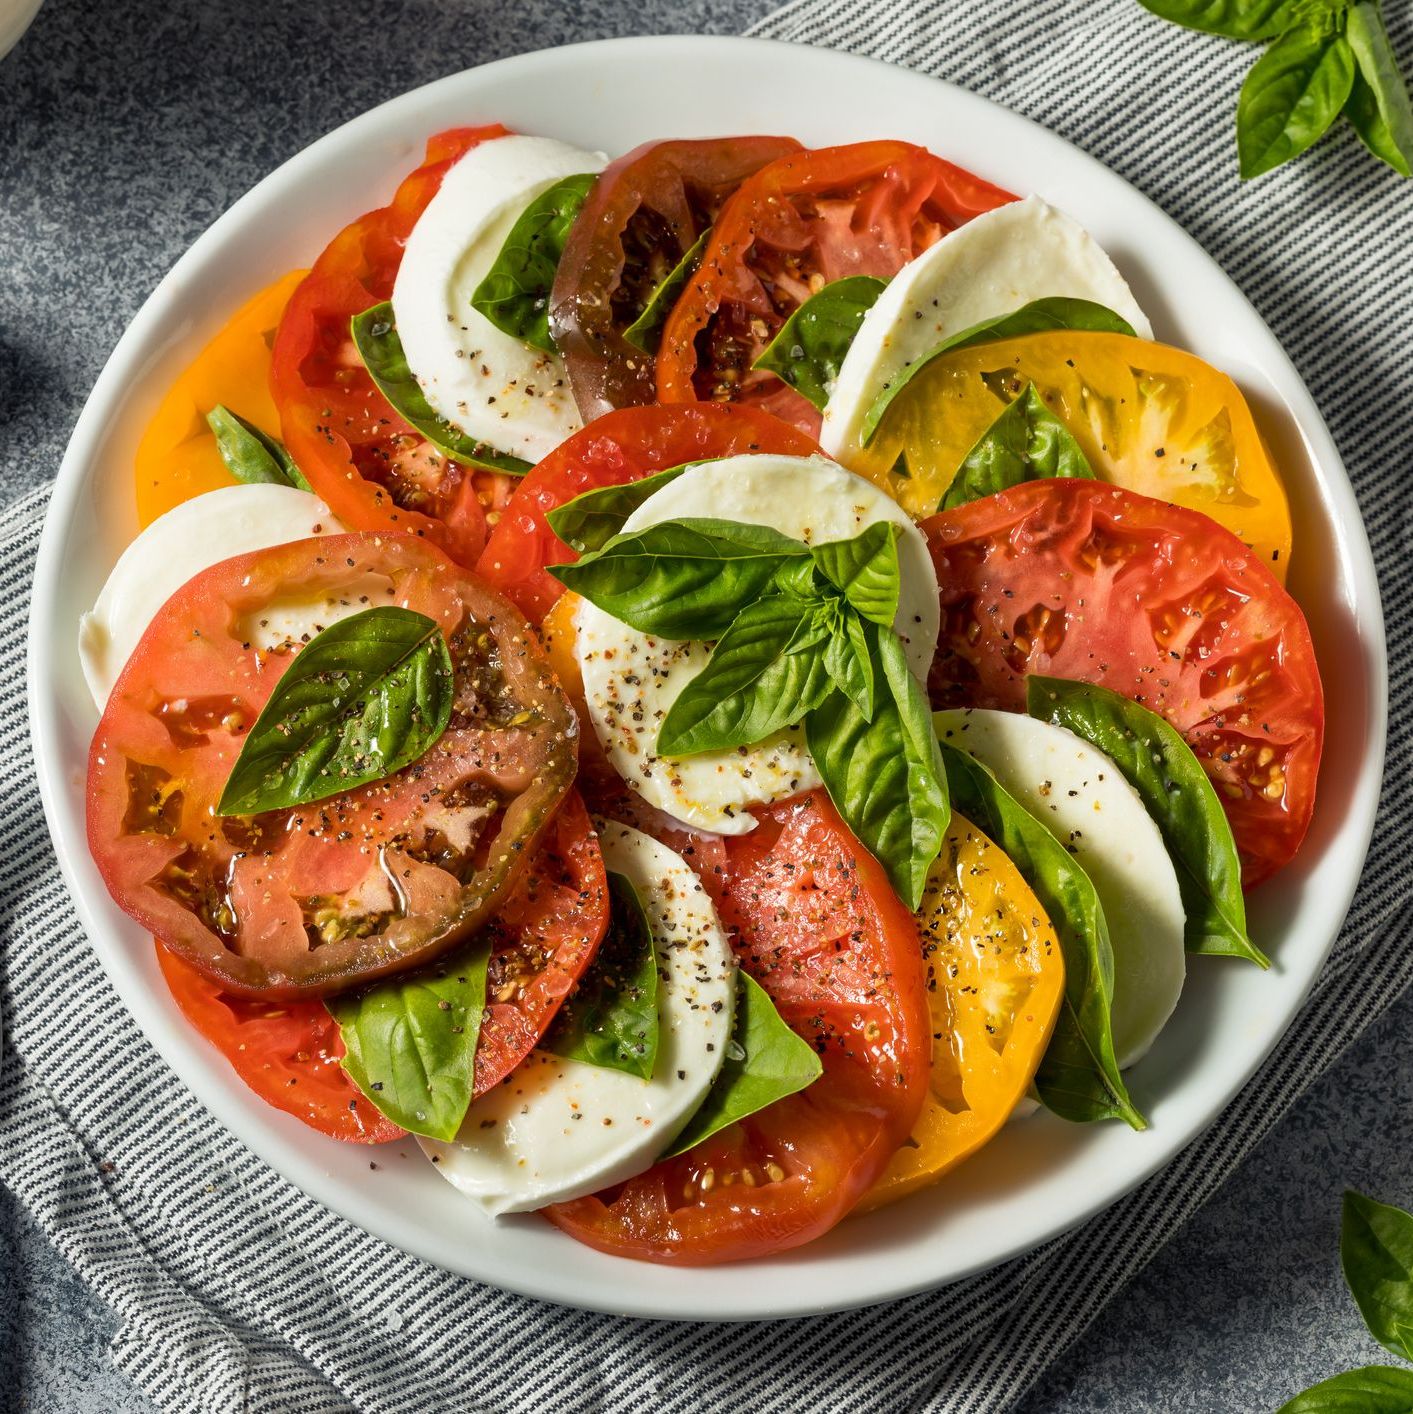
(865, 570)
(1178, 794)
(1243, 19)
(515, 293)
(251, 455)
(411, 1041)
(592, 519)
(610, 1020)
(1079, 1077)
(645, 332)
(365, 697)
(765, 1062)
(1376, 1389)
(810, 347)
(1027, 442)
(1379, 106)
(1376, 1252)
(376, 339)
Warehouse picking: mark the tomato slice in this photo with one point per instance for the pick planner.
(643, 216)
(1151, 418)
(863, 209)
(1079, 579)
(374, 470)
(621, 446)
(288, 1052)
(813, 919)
(995, 980)
(311, 900)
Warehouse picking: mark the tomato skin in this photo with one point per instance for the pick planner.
(1078, 579)
(621, 446)
(813, 919)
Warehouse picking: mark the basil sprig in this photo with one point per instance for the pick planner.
(810, 347)
(515, 292)
(592, 519)
(251, 455)
(645, 332)
(365, 697)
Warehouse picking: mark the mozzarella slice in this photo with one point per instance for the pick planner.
(993, 265)
(557, 1129)
(631, 679)
(493, 387)
(1082, 798)
(189, 538)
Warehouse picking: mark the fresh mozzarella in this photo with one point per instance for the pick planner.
(186, 540)
(493, 387)
(557, 1129)
(631, 679)
(1081, 797)
(993, 265)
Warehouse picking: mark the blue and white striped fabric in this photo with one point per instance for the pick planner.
(236, 1292)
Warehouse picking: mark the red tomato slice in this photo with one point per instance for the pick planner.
(806, 220)
(374, 470)
(813, 919)
(1079, 579)
(287, 1052)
(621, 446)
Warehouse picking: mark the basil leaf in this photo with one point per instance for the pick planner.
(645, 332)
(1040, 316)
(885, 775)
(1160, 766)
(765, 1062)
(1376, 1389)
(1027, 442)
(848, 662)
(682, 579)
(411, 1041)
(367, 696)
(1294, 91)
(515, 293)
(610, 1019)
(1079, 1077)
(592, 519)
(865, 570)
(754, 684)
(376, 339)
(1379, 106)
(1243, 19)
(251, 455)
(1376, 1252)
(810, 347)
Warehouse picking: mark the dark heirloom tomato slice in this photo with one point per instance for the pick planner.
(375, 471)
(1078, 579)
(863, 209)
(643, 216)
(307, 901)
(813, 919)
(621, 446)
(288, 1052)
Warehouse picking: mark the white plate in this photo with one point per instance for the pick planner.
(1041, 1176)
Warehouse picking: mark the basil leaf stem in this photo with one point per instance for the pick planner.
(251, 455)
(810, 347)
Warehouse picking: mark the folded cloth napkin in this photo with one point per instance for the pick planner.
(237, 1292)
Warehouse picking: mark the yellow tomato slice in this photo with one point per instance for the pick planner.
(1151, 418)
(995, 982)
(177, 456)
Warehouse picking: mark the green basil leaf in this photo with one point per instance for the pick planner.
(251, 455)
(682, 579)
(1040, 316)
(610, 1019)
(1376, 1251)
(753, 685)
(1376, 1389)
(1160, 766)
(515, 293)
(1379, 106)
(1244, 19)
(592, 519)
(765, 1062)
(1294, 91)
(1026, 443)
(376, 339)
(645, 332)
(411, 1041)
(1079, 1077)
(885, 775)
(811, 344)
(865, 570)
(367, 696)
(849, 663)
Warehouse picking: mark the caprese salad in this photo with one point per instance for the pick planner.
(697, 686)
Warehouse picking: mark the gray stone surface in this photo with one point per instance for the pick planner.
(124, 130)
